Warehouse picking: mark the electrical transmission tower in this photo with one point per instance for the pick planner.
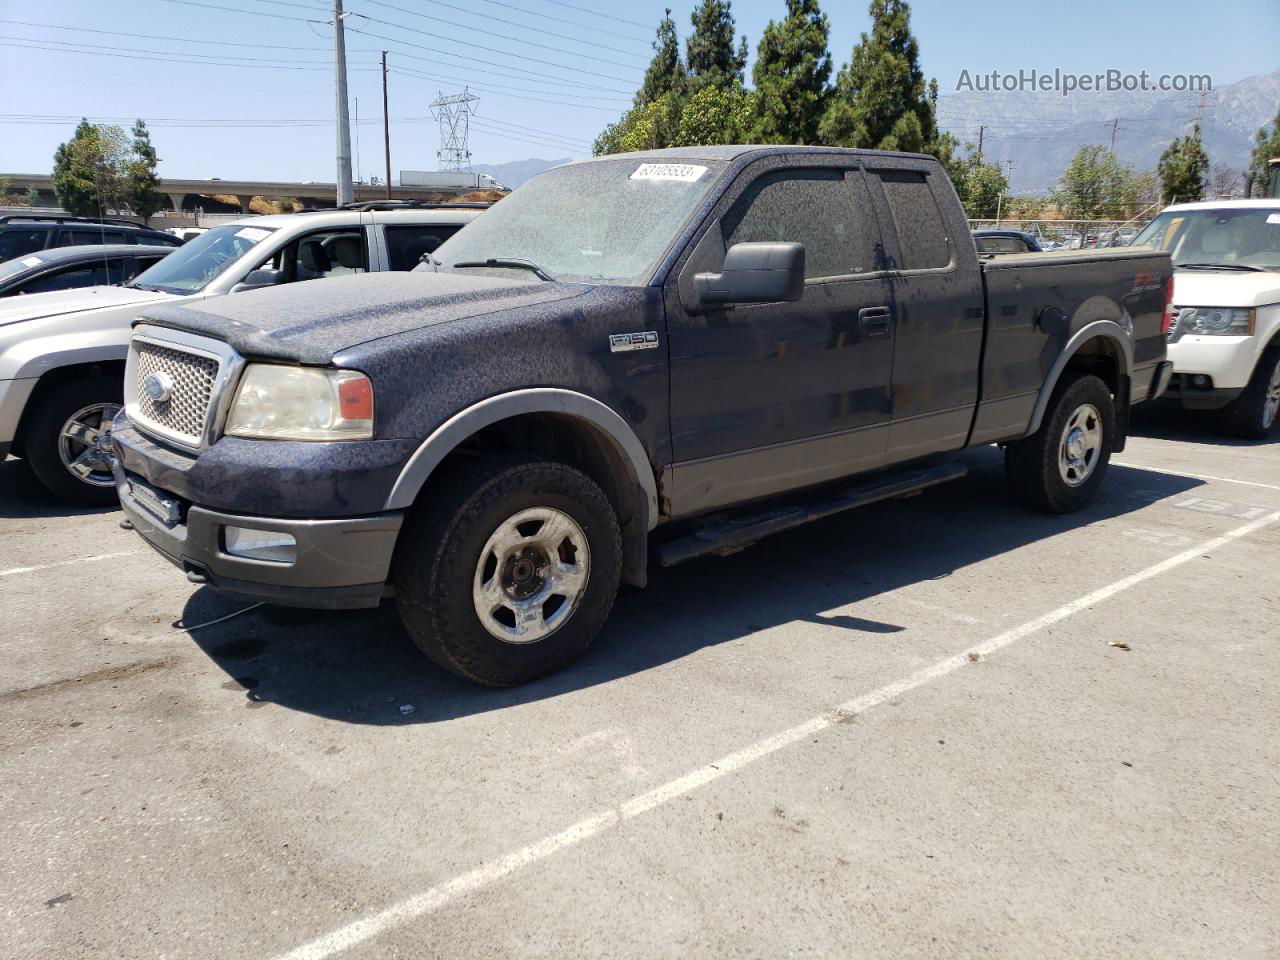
(454, 113)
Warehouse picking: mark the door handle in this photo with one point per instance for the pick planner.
(875, 321)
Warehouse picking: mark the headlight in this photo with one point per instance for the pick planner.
(301, 403)
(1216, 321)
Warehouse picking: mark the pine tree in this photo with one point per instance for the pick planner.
(144, 199)
(880, 98)
(1183, 169)
(666, 72)
(790, 75)
(710, 54)
(1266, 147)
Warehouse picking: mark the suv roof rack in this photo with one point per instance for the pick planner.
(64, 218)
(372, 205)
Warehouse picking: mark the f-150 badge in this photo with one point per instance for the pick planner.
(645, 340)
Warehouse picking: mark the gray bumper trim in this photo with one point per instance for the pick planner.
(340, 563)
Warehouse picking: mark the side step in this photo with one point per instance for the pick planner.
(733, 534)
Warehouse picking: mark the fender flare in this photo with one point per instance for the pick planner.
(446, 437)
(1108, 329)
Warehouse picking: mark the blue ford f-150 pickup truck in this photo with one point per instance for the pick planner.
(633, 358)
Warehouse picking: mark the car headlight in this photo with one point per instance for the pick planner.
(1216, 321)
(278, 402)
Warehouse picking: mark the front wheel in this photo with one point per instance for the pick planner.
(1060, 467)
(510, 569)
(67, 440)
(1253, 414)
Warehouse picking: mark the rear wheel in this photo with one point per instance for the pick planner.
(509, 571)
(1060, 467)
(1253, 414)
(67, 439)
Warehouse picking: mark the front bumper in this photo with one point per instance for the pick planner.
(1228, 360)
(13, 400)
(338, 564)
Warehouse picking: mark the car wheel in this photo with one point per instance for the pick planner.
(1254, 413)
(1060, 467)
(509, 570)
(67, 439)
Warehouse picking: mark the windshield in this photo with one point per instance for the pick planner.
(190, 268)
(1230, 237)
(609, 221)
(11, 267)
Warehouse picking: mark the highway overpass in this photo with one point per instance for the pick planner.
(185, 194)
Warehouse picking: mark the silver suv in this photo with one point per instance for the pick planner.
(62, 354)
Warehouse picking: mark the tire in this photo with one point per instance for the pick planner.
(75, 469)
(1044, 470)
(1254, 413)
(467, 549)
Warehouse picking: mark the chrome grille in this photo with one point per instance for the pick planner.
(186, 411)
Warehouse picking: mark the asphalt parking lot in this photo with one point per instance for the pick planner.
(938, 727)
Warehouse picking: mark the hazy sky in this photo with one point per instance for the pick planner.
(243, 88)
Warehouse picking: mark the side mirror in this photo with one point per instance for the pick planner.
(263, 277)
(755, 273)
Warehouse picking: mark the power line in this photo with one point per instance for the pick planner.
(252, 13)
(572, 6)
(520, 74)
(577, 99)
(572, 23)
(501, 91)
(116, 49)
(151, 36)
(523, 26)
(520, 40)
(197, 63)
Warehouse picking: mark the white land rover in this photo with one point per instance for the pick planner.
(1224, 338)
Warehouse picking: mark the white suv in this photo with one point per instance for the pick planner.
(1224, 336)
(62, 354)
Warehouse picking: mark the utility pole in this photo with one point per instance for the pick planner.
(981, 131)
(1114, 123)
(341, 118)
(386, 123)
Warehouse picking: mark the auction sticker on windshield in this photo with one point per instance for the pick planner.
(253, 234)
(681, 172)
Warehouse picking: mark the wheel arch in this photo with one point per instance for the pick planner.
(549, 419)
(1101, 347)
(53, 377)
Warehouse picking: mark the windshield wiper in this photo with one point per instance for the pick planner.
(1220, 266)
(143, 286)
(515, 263)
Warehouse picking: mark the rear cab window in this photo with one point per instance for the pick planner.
(923, 243)
(96, 273)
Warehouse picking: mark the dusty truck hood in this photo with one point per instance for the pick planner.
(36, 306)
(1225, 288)
(311, 321)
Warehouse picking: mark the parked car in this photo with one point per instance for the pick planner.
(68, 268)
(661, 354)
(21, 234)
(62, 354)
(992, 240)
(1224, 339)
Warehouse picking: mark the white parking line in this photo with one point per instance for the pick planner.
(1196, 476)
(14, 571)
(411, 908)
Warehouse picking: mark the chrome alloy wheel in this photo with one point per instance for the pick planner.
(1272, 405)
(531, 575)
(1081, 445)
(84, 444)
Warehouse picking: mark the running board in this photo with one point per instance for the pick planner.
(730, 535)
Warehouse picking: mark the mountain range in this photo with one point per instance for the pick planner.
(1040, 132)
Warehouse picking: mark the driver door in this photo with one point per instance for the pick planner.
(774, 396)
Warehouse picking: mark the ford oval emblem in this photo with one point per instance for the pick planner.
(157, 386)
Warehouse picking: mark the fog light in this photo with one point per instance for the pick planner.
(261, 544)
(1201, 381)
